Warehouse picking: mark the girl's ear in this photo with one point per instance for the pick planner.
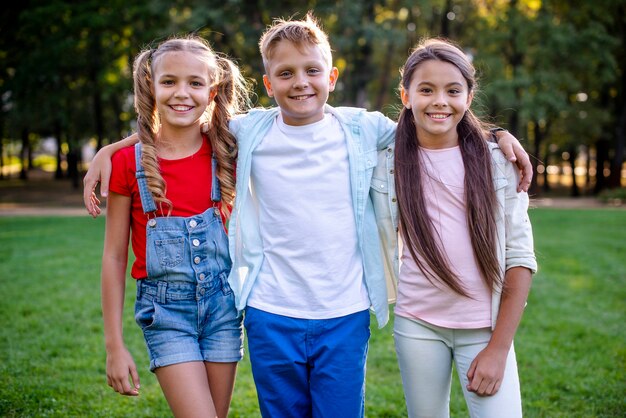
(212, 93)
(470, 97)
(405, 98)
(268, 85)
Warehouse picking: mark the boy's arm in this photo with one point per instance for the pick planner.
(514, 152)
(386, 131)
(100, 172)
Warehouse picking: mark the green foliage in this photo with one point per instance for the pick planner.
(613, 196)
(550, 71)
(569, 346)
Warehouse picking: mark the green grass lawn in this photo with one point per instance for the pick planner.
(571, 345)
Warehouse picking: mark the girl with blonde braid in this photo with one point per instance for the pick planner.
(171, 195)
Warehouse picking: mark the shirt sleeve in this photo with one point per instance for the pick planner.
(122, 171)
(518, 229)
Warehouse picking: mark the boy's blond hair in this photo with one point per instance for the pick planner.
(306, 32)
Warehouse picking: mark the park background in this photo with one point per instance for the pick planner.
(551, 72)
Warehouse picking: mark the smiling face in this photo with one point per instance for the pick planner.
(300, 80)
(182, 89)
(438, 97)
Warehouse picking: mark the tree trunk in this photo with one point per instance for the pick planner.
(72, 163)
(24, 155)
(363, 62)
(573, 154)
(94, 70)
(58, 173)
(602, 156)
(588, 170)
(615, 180)
(1, 150)
(445, 22)
(390, 51)
(537, 152)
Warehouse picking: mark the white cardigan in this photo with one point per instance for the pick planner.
(514, 231)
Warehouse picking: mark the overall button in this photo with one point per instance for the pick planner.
(196, 260)
(195, 242)
(202, 291)
(202, 276)
(152, 222)
(193, 223)
(217, 212)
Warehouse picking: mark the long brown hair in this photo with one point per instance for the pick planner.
(416, 227)
(232, 97)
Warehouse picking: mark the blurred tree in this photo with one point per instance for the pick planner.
(550, 68)
(558, 60)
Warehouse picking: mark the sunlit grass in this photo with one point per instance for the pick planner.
(571, 343)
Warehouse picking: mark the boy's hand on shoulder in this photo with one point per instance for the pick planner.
(514, 152)
(99, 172)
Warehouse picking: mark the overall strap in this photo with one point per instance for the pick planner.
(216, 194)
(147, 202)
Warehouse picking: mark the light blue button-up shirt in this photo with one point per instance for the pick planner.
(366, 133)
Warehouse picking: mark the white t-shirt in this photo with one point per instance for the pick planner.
(436, 303)
(312, 265)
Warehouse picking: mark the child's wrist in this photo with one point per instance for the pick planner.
(494, 133)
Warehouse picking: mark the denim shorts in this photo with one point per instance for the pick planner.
(186, 321)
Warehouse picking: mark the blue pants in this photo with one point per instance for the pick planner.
(308, 367)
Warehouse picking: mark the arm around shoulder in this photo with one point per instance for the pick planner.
(514, 152)
(100, 172)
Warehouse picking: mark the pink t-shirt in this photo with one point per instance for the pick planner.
(435, 303)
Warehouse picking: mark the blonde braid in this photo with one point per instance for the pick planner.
(148, 126)
(231, 98)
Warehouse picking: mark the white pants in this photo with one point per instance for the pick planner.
(425, 355)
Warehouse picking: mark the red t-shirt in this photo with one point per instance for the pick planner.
(188, 183)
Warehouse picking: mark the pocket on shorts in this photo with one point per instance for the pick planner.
(226, 289)
(170, 251)
(145, 313)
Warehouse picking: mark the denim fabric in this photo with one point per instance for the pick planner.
(307, 368)
(185, 306)
(185, 321)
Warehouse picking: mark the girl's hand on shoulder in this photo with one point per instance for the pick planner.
(120, 365)
(486, 372)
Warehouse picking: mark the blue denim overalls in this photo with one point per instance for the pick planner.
(185, 306)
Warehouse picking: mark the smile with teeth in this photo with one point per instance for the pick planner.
(440, 116)
(302, 97)
(181, 108)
